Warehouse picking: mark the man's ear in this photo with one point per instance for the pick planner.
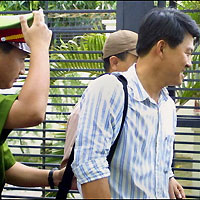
(160, 48)
(113, 62)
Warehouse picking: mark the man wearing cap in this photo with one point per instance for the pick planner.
(119, 51)
(28, 108)
(141, 164)
(118, 55)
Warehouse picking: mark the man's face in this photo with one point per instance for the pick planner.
(177, 60)
(125, 64)
(11, 66)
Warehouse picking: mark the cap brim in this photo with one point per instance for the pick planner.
(22, 46)
(13, 21)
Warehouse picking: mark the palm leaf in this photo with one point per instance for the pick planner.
(87, 42)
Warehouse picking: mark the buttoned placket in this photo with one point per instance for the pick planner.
(159, 160)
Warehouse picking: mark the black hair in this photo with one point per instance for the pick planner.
(166, 24)
(6, 47)
(122, 56)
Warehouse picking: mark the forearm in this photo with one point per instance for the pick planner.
(98, 189)
(36, 86)
(22, 175)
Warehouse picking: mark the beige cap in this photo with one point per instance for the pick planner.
(120, 41)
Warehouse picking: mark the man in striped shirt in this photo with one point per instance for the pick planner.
(141, 165)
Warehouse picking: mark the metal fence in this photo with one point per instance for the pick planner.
(42, 146)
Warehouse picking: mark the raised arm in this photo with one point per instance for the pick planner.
(29, 109)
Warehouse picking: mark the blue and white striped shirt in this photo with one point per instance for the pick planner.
(141, 165)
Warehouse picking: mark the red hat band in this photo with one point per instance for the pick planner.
(11, 35)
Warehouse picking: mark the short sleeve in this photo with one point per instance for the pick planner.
(5, 106)
(9, 159)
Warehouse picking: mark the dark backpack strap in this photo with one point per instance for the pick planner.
(65, 185)
(114, 145)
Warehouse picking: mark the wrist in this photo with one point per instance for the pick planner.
(56, 177)
(52, 178)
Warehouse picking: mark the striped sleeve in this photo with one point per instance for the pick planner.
(100, 111)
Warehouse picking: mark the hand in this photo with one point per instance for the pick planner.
(175, 189)
(57, 176)
(38, 35)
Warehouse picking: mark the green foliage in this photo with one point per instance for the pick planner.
(66, 91)
(190, 5)
(56, 5)
(20, 5)
(53, 194)
(66, 5)
(87, 42)
(12, 5)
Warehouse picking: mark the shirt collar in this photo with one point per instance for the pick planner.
(136, 88)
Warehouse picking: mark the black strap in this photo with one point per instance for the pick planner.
(1, 188)
(65, 185)
(114, 145)
(50, 178)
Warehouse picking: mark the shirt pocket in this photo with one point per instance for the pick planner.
(168, 152)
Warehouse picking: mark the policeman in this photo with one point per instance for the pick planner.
(17, 40)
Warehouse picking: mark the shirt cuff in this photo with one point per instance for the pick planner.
(91, 170)
(171, 174)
